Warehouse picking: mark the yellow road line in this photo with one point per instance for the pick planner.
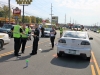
(93, 70)
(96, 64)
(10, 52)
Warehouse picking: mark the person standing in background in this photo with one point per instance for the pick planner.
(36, 39)
(52, 36)
(61, 31)
(24, 37)
(29, 29)
(42, 31)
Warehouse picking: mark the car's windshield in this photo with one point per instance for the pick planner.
(47, 29)
(75, 35)
(7, 26)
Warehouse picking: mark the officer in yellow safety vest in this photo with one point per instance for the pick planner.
(29, 32)
(61, 31)
(24, 37)
(17, 38)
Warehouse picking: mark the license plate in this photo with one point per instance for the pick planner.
(72, 52)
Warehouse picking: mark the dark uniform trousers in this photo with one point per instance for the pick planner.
(17, 43)
(42, 34)
(35, 45)
(23, 43)
(52, 39)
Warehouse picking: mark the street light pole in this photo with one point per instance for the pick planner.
(23, 14)
(9, 10)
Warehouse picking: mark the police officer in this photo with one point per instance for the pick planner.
(24, 37)
(61, 31)
(36, 39)
(17, 38)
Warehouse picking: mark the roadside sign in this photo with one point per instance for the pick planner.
(16, 12)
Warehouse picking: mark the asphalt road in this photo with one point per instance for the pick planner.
(46, 61)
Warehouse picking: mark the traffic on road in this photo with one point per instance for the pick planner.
(49, 37)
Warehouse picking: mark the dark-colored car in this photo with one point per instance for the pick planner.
(7, 29)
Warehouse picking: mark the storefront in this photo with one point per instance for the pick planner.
(6, 21)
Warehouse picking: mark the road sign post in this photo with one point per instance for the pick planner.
(16, 14)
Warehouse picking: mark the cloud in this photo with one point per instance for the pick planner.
(81, 7)
(80, 4)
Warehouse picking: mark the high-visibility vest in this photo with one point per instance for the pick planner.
(25, 35)
(16, 31)
(61, 30)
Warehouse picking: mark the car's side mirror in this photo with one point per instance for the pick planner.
(90, 38)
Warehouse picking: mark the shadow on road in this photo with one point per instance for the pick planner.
(13, 58)
(47, 50)
(70, 62)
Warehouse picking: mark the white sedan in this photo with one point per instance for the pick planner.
(4, 39)
(75, 43)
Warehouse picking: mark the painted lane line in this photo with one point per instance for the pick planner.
(95, 62)
(10, 52)
(93, 70)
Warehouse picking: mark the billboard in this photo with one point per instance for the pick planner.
(55, 19)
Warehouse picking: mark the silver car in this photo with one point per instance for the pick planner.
(47, 32)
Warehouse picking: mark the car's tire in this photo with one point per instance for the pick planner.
(59, 54)
(88, 58)
(1, 44)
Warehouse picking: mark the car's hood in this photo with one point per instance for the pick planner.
(2, 33)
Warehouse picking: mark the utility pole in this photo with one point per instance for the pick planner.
(65, 19)
(73, 21)
(9, 10)
(23, 14)
(70, 19)
(51, 13)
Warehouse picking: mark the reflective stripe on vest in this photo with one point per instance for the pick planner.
(25, 35)
(16, 31)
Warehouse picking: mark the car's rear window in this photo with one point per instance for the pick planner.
(48, 29)
(75, 35)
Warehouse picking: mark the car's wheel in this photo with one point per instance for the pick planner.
(1, 44)
(59, 54)
(88, 58)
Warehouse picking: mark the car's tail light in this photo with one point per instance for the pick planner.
(85, 43)
(62, 41)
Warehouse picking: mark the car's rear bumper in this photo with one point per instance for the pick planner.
(46, 35)
(86, 52)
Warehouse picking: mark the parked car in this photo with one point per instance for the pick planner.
(75, 43)
(7, 29)
(4, 39)
(47, 32)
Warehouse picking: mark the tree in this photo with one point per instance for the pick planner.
(47, 21)
(26, 19)
(38, 20)
(33, 19)
(4, 11)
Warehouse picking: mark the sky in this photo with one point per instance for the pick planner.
(85, 12)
